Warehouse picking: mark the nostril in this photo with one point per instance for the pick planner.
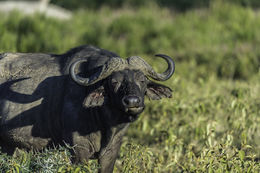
(131, 101)
(125, 101)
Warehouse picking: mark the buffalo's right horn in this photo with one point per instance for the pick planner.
(104, 71)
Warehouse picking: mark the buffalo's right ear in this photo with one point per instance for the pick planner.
(95, 98)
(157, 91)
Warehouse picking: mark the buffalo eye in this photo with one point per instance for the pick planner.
(140, 77)
(115, 84)
(143, 81)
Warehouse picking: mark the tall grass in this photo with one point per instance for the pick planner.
(212, 122)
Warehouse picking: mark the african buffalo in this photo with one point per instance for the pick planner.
(84, 98)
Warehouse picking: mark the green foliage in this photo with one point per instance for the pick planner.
(212, 122)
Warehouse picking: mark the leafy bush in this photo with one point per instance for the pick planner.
(47, 161)
(221, 40)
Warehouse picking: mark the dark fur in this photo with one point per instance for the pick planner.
(41, 106)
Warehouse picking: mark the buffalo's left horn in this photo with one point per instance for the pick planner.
(104, 71)
(138, 62)
(170, 69)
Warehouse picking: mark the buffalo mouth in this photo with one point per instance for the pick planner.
(133, 112)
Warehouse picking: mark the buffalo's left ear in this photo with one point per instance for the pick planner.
(95, 98)
(157, 91)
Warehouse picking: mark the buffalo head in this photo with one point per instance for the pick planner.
(125, 83)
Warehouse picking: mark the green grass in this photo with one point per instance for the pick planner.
(212, 122)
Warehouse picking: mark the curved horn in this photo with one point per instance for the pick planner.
(170, 69)
(138, 62)
(115, 63)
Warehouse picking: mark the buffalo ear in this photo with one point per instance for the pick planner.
(157, 91)
(95, 98)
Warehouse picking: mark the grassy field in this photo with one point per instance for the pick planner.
(212, 123)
